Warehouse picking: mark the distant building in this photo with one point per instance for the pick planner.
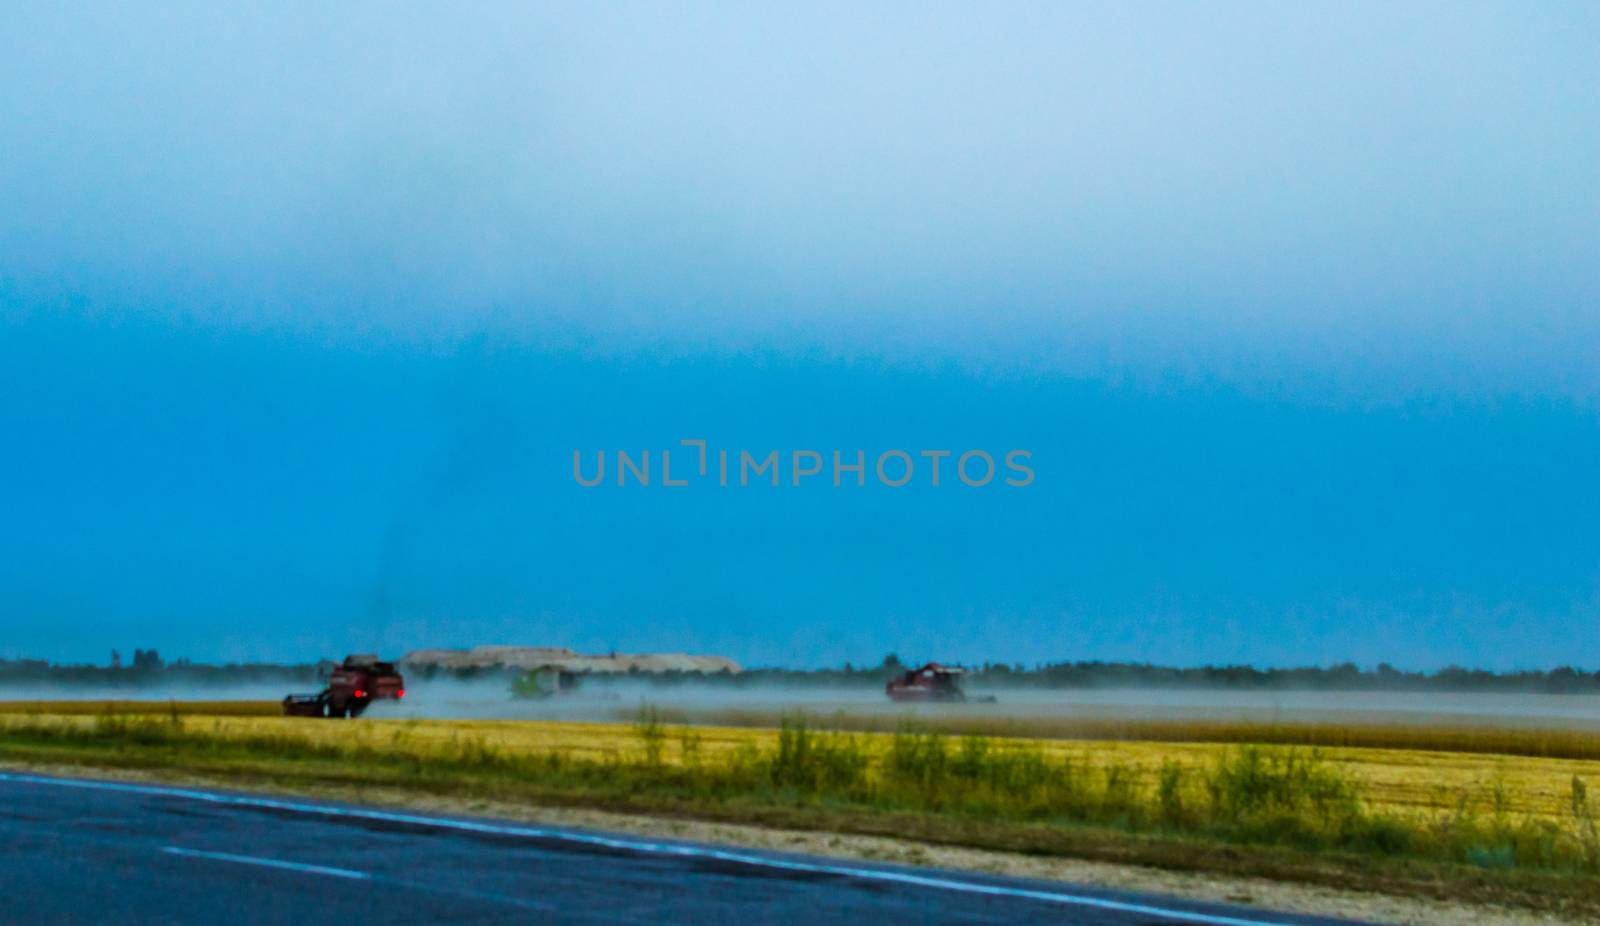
(536, 657)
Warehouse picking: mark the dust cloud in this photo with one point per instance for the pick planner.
(600, 699)
(733, 701)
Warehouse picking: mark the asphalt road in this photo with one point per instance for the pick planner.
(109, 853)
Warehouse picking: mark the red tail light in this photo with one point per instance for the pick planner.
(400, 692)
(360, 693)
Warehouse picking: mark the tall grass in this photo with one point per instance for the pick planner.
(1248, 795)
(1442, 736)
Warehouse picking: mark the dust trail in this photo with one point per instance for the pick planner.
(244, 691)
(602, 699)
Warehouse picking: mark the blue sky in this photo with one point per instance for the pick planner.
(304, 312)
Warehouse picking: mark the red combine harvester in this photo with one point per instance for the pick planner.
(932, 682)
(352, 687)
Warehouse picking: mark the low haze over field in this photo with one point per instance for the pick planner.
(303, 314)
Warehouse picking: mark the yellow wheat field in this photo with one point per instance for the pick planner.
(1393, 780)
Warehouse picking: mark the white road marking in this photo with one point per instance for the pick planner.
(267, 863)
(1170, 914)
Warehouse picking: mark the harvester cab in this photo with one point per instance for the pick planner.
(352, 687)
(932, 682)
(544, 682)
(553, 681)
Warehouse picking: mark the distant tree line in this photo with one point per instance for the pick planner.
(1068, 675)
(1342, 677)
(1092, 674)
(148, 668)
